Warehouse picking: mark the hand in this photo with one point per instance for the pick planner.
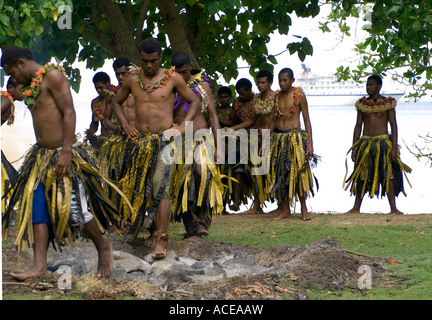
(393, 154)
(173, 132)
(353, 155)
(131, 132)
(63, 164)
(309, 150)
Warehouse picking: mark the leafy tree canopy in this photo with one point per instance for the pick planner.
(398, 41)
(216, 33)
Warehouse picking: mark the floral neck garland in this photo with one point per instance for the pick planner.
(157, 85)
(371, 106)
(96, 109)
(31, 92)
(240, 112)
(265, 106)
(296, 103)
(111, 89)
(12, 108)
(223, 112)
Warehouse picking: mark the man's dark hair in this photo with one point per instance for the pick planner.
(288, 71)
(121, 62)
(225, 90)
(12, 82)
(11, 55)
(265, 73)
(150, 45)
(243, 83)
(101, 77)
(179, 59)
(377, 78)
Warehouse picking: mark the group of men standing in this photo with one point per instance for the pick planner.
(134, 175)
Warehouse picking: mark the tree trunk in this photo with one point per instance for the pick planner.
(175, 29)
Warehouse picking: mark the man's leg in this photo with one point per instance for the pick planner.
(392, 198)
(161, 235)
(103, 248)
(283, 211)
(40, 249)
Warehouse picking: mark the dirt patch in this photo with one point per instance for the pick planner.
(291, 270)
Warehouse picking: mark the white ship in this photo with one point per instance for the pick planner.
(326, 90)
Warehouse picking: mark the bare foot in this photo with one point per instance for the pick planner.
(161, 240)
(275, 211)
(105, 261)
(282, 215)
(31, 273)
(353, 210)
(253, 210)
(396, 211)
(234, 207)
(306, 217)
(202, 230)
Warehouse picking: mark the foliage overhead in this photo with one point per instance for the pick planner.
(398, 41)
(216, 33)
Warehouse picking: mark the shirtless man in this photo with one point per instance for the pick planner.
(290, 103)
(264, 108)
(374, 113)
(225, 111)
(54, 125)
(8, 116)
(245, 119)
(101, 81)
(121, 68)
(204, 91)
(154, 90)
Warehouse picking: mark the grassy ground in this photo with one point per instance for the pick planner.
(405, 243)
(406, 239)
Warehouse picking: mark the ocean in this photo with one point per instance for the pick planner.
(332, 131)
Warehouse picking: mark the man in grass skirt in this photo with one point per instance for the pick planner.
(58, 186)
(378, 169)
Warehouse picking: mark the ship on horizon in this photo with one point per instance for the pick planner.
(324, 90)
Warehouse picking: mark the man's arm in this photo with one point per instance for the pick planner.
(394, 134)
(5, 109)
(94, 125)
(116, 104)
(307, 123)
(357, 132)
(190, 97)
(59, 88)
(108, 114)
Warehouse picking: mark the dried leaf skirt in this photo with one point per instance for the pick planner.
(290, 173)
(132, 164)
(38, 168)
(196, 181)
(373, 169)
(8, 178)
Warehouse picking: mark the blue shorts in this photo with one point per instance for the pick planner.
(40, 211)
(40, 206)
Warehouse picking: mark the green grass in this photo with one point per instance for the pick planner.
(409, 245)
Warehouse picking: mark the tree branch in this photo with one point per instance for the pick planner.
(142, 19)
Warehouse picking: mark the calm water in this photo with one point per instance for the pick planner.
(332, 128)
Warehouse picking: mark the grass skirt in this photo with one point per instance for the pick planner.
(290, 173)
(189, 191)
(8, 178)
(131, 164)
(373, 166)
(38, 167)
